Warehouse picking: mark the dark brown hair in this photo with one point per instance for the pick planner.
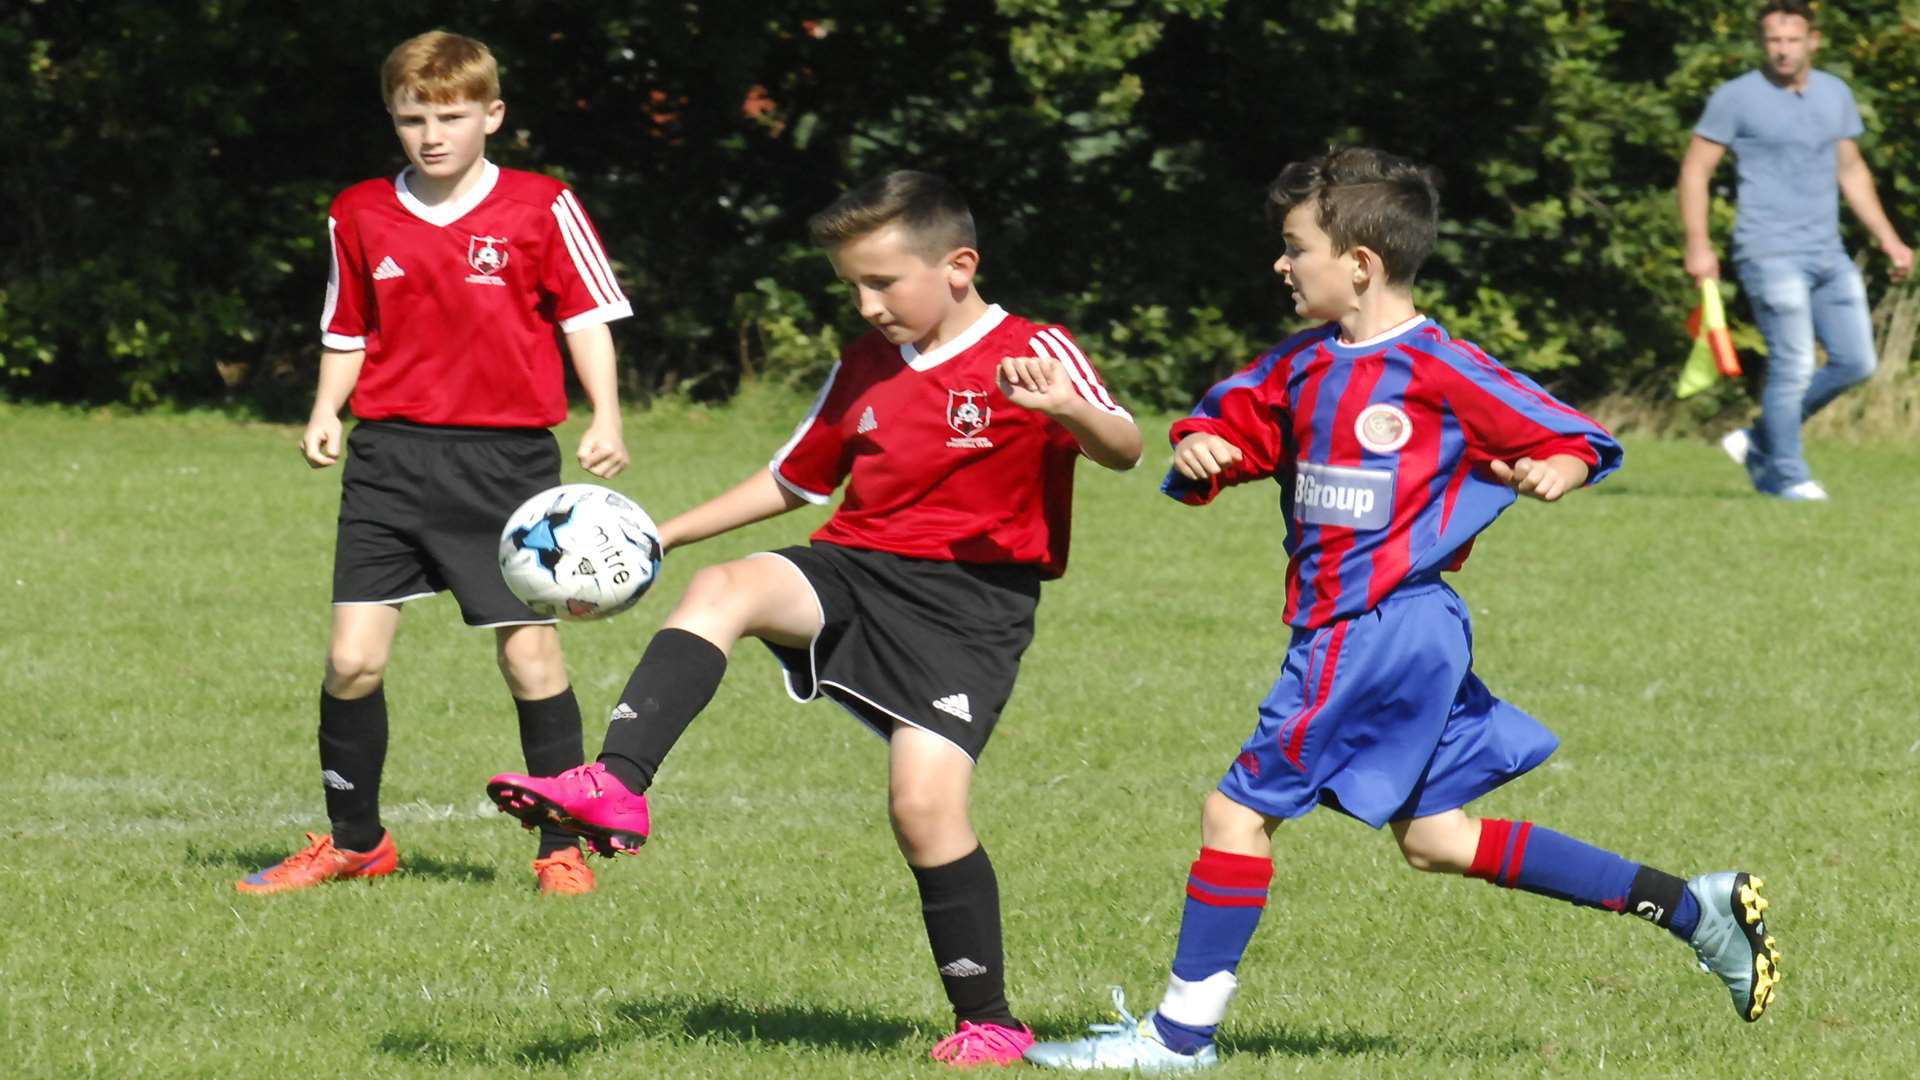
(935, 216)
(1365, 198)
(1802, 8)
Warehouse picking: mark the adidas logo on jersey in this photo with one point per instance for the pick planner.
(388, 270)
(867, 422)
(954, 705)
(962, 968)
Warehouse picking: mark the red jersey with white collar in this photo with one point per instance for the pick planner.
(938, 464)
(456, 304)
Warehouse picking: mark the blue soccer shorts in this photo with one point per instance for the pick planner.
(1381, 717)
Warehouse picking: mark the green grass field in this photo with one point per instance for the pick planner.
(1733, 681)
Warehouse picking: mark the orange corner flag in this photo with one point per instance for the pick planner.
(1712, 354)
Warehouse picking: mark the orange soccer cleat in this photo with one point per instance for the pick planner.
(563, 873)
(320, 862)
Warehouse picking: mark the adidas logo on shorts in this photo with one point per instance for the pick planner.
(867, 422)
(962, 968)
(623, 711)
(954, 705)
(387, 270)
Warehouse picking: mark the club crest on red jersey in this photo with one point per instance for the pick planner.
(1383, 428)
(968, 414)
(488, 256)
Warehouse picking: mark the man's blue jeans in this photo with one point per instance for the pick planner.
(1796, 298)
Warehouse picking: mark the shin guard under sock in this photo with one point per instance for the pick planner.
(550, 742)
(353, 750)
(674, 680)
(1520, 855)
(961, 904)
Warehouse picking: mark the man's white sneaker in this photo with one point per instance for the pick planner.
(1738, 443)
(1804, 491)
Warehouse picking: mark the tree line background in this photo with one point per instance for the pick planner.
(168, 167)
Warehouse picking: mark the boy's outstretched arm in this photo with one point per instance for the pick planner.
(756, 498)
(1546, 479)
(1038, 383)
(603, 451)
(339, 373)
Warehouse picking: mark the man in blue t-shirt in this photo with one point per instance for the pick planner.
(1792, 132)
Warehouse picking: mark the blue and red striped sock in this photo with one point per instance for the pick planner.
(1521, 855)
(1226, 894)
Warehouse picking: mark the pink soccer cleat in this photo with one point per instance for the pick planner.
(586, 801)
(983, 1044)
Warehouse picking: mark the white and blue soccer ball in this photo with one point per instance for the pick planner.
(579, 551)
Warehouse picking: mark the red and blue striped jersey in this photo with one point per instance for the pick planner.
(1380, 450)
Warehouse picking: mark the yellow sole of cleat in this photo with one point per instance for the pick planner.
(1766, 966)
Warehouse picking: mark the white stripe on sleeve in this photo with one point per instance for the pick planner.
(333, 279)
(566, 205)
(799, 433)
(1052, 342)
(588, 275)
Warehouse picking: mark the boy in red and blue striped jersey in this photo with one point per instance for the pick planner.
(1394, 445)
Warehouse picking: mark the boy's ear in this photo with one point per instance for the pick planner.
(1368, 268)
(961, 264)
(496, 115)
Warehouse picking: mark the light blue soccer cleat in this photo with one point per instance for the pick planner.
(1130, 1044)
(1732, 940)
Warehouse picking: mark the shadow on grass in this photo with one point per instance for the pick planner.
(1275, 1041)
(251, 858)
(424, 866)
(675, 1019)
(427, 866)
(1309, 1043)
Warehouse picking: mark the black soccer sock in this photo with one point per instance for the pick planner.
(961, 904)
(675, 679)
(353, 749)
(1662, 899)
(550, 741)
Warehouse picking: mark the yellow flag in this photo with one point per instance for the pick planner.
(1713, 354)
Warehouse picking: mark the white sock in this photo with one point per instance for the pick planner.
(1198, 1004)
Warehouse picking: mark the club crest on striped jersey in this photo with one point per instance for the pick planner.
(968, 414)
(1383, 428)
(488, 256)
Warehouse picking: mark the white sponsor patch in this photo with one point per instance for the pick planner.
(1341, 495)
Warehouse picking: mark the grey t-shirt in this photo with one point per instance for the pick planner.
(1783, 142)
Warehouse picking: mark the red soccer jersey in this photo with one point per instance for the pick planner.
(938, 464)
(456, 304)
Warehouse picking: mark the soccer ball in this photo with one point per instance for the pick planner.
(579, 551)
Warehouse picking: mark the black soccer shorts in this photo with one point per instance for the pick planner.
(914, 641)
(421, 509)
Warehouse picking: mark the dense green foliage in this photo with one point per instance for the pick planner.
(161, 210)
(1727, 694)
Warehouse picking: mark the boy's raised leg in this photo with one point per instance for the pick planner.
(1718, 915)
(605, 801)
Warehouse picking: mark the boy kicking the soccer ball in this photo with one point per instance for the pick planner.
(1394, 445)
(446, 285)
(956, 427)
